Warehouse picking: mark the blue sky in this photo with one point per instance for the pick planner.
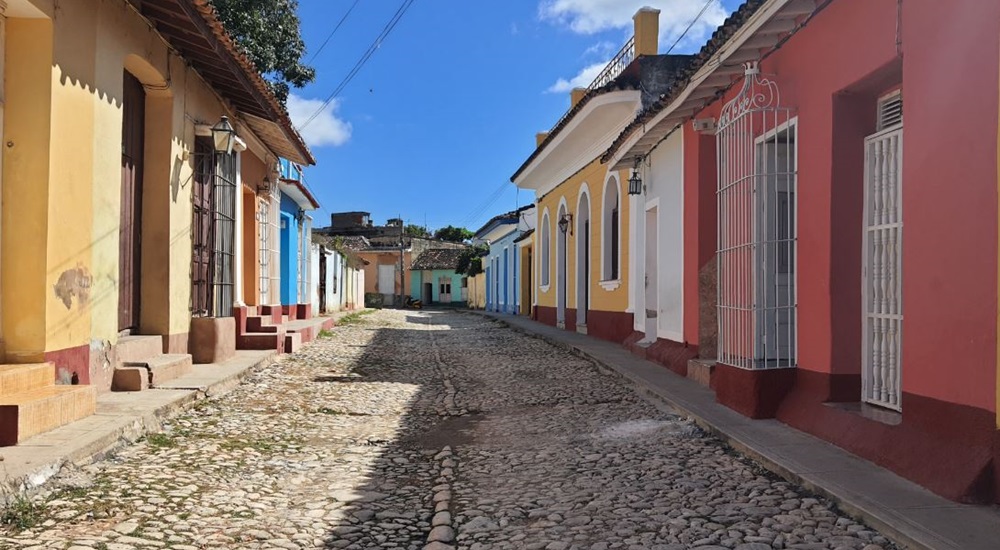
(447, 108)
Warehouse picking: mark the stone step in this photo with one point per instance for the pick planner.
(260, 324)
(27, 377)
(152, 372)
(261, 341)
(135, 349)
(293, 341)
(29, 413)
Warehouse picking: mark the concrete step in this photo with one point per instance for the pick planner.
(134, 349)
(29, 413)
(151, 373)
(260, 324)
(27, 377)
(261, 341)
(130, 379)
(293, 341)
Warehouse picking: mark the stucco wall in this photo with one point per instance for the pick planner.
(591, 181)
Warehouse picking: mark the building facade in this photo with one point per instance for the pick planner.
(502, 265)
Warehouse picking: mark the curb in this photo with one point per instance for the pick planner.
(893, 531)
(129, 429)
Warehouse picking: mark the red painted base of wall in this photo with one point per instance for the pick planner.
(546, 315)
(570, 323)
(754, 393)
(71, 363)
(953, 450)
(303, 311)
(613, 326)
(670, 354)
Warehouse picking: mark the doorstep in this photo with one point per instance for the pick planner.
(910, 515)
(121, 419)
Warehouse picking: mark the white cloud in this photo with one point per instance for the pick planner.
(593, 16)
(581, 80)
(326, 128)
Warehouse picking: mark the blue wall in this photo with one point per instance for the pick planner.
(289, 252)
(502, 291)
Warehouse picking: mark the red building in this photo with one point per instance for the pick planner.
(840, 225)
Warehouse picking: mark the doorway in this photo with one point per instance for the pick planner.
(428, 294)
(652, 303)
(583, 260)
(322, 280)
(561, 272)
(130, 236)
(444, 294)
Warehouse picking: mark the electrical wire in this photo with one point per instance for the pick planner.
(478, 212)
(334, 31)
(362, 61)
(691, 24)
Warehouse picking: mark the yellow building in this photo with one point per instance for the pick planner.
(121, 220)
(580, 248)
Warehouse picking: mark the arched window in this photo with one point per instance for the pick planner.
(611, 232)
(546, 246)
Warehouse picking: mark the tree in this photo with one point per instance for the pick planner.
(412, 230)
(268, 31)
(454, 234)
(470, 262)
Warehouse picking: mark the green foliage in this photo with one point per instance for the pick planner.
(412, 230)
(161, 440)
(454, 234)
(22, 513)
(470, 263)
(268, 31)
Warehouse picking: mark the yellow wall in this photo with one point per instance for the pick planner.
(477, 291)
(61, 190)
(592, 179)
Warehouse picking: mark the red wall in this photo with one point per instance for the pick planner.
(699, 217)
(832, 72)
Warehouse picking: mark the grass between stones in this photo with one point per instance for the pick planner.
(353, 318)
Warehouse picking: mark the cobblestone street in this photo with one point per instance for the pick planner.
(437, 430)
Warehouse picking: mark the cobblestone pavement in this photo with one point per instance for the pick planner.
(429, 430)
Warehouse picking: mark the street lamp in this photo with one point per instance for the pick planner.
(223, 135)
(564, 222)
(635, 181)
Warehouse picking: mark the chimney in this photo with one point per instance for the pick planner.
(646, 22)
(576, 95)
(540, 137)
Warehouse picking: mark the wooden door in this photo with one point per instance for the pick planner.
(322, 280)
(130, 237)
(202, 228)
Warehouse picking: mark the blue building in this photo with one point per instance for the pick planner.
(294, 238)
(501, 234)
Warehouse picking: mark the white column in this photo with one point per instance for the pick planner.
(238, 298)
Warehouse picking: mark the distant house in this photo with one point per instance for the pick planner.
(434, 279)
(503, 263)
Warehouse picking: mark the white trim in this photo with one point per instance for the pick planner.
(584, 191)
(605, 217)
(611, 285)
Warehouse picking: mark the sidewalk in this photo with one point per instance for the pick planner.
(121, 418)
(908, 514)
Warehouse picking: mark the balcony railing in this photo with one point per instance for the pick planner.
(622, 59)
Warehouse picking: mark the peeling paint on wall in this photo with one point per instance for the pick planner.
(73, 282)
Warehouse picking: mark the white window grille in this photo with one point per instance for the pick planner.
(263, 228)
(757, 306)
(890, 110)
(305, 237)
(882, 267)
(545, 240)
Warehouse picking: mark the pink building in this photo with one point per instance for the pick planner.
(840, 226)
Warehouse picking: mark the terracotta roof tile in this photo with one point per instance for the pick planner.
(438, 258)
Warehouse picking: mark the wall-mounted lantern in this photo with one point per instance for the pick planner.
(635, 181)
(564, 222)
(223, 136)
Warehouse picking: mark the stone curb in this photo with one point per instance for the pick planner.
(855, 509)
(442, 534)
(125, 433)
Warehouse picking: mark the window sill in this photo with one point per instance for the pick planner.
(611, 285)
(871, 412)
(544, 288)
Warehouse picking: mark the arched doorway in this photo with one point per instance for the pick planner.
(582, 258)
(561, 237)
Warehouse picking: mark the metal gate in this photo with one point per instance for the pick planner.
(223, 283)
(756, 252)
(882, 268)
(214, 232)
(130, 235)
(202, 228)
(264, 244)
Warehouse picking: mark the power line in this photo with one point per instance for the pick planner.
(691, 24)
(362, 61)
(478, 212)
(334, 31)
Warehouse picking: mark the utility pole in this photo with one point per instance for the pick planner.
(402, 274)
